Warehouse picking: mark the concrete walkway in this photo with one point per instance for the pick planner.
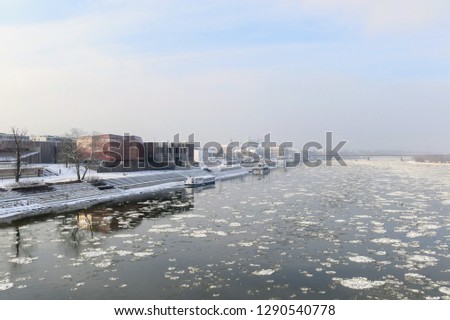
(73, 196)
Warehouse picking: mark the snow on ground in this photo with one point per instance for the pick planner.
(69, 174)
(85, 195)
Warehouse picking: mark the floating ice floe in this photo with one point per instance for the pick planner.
(198, 234)
(361, 283)
(414, 277)
(186, 216)
(445, 290)
(143, 254)
(263, 272)
(171, 277)
(103, 264)
(414, 234)
(423, 259)
(193, 270)
(361, 259)
(126, 235)
(386, 241)
(122, 253)
(163, 228)
(93, 253)
(289, 195)
(308, 223)
(21, 279)
(379, 230)
(24, 260)
(5, 285)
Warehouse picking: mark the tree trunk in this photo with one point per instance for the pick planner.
(77, 167)
(85, 171)
(19, 136)
(18, 166)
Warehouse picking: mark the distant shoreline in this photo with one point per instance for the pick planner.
(432, 159)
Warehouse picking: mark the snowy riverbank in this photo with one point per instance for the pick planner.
(64, 197)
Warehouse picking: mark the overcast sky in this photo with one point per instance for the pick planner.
(376, 73)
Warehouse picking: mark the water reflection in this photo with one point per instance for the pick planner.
(17, 242)
(127, 215)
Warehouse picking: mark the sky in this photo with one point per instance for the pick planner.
(375, 73)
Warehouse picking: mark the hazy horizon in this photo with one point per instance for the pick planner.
(376, 73)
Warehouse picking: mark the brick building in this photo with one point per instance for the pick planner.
(115, 153)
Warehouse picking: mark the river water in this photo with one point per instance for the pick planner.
(372, 230)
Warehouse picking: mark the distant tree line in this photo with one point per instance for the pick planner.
(433, 158)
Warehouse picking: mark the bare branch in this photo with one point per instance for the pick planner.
(19, 136)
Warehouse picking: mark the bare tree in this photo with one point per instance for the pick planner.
(70, 151)
(89, 146)
(79, 150)
(19, 136)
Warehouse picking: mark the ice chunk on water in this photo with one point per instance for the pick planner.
(93, 253)
(163, 228)
(445, 290)
(186, 216)
(414, 277)
(103, 264)
(361, 283)
(143, 254)
(5, 284)
(125, 235)
(25, 260)
(122, 253)
(361, 259)
(386, 241)
(423, 259)
(263, 272)
(199, 234)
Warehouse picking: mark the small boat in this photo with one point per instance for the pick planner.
(199, 181)
(261, 169)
